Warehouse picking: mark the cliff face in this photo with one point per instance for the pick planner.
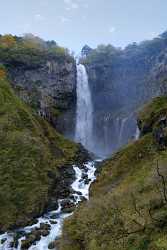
(53, 87)
(128, 203)
(121, 81)
(51, 78)
(44, 76)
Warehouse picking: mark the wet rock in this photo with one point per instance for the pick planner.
(62, 184)
(45, 233)
(52, 245)
(84, 176)
(54, 216)
(16, 238)
(68, 210)
(57, 244)
(44, 226)
(25, 244)
(66, 203)
(53, 222)
(11, 244)
(3, 240)
(86, 169)
(35, 236)
(78, 192)
(72, 197)
(71, 190)
(33, 222)
(83, 198)
(87, 181)
(83, 156)
(53, 205)
(67, 206)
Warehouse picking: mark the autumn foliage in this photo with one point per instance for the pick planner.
(2, 73)
(7, 41)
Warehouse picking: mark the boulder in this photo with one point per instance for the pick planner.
(53, 222)
(3, 241)
(51, 245)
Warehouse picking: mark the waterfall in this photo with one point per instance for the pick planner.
(137, 134)
(84, 117)
(121, 131)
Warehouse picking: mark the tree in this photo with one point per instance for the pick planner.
(7, 41)
(2, 72)
(33, 42)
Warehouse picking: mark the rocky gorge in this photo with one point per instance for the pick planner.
(45, 98)
(121, 81)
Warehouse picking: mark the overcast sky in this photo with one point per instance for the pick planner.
(74, 23)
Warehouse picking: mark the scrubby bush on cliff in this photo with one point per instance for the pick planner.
(7, 41)
(109, 53)
(29, 51)
(102, 54)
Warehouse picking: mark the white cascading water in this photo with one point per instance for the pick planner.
(84, 118)
(137, 135)
(121, 131)
(81, 190)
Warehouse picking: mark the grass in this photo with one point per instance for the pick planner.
(29, 149)
(127, 209)
(151, 113)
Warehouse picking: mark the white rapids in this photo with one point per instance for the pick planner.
(78, 186)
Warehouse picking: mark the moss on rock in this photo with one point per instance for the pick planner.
(152, 113)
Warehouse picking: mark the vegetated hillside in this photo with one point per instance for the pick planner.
(128, 204)
(121, 81)
(43, 74)
(33, 159)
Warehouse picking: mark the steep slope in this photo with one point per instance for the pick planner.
(33, 160)
(128, 205)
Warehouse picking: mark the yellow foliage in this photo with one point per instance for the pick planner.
(2, 74)
(7, 41)
(30, 44)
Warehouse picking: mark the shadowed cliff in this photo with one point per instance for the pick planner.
(121, 81)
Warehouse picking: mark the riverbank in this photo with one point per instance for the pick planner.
(43, 235)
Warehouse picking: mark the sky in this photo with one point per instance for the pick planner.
(74, 23)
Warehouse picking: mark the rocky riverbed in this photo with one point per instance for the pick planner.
(44, 234)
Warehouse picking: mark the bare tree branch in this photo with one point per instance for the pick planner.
(163, 182)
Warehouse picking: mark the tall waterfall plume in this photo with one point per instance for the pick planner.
(84, 117)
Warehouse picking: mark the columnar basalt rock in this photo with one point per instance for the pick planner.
(121, 81)
(51, 89)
